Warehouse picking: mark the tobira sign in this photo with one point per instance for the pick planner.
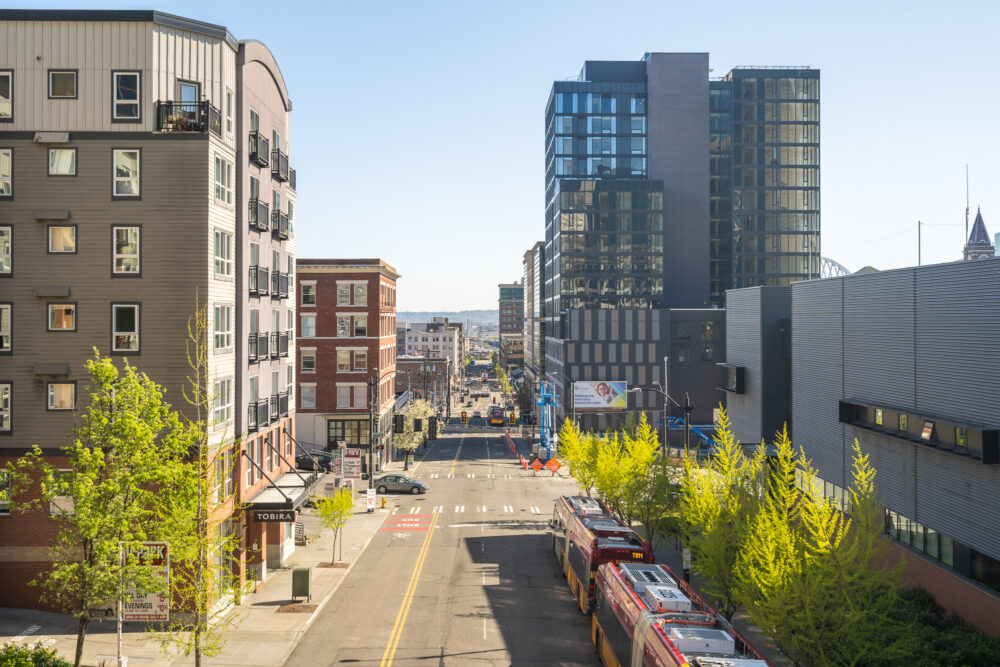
(273, 516)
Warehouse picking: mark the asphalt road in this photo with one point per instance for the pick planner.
(463, 575)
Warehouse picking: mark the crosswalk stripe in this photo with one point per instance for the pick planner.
(471, 474)
(535, 510)
(413, 510)
(459, 508)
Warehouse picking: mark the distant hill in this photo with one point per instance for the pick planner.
(478, 317)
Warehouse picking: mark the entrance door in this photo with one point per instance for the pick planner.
(188, 94)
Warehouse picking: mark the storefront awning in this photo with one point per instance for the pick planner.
(288, 492)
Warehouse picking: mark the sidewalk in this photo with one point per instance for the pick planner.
(271, 621)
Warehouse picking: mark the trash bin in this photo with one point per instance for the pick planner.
(302, 583)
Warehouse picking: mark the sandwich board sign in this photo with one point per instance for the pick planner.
(138, 605)
(352, 464)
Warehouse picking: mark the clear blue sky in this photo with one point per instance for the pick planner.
(418, 135)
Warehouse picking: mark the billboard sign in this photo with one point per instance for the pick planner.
(599, 395)
(352, 463)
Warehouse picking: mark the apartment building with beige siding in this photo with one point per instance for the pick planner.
(123, 199)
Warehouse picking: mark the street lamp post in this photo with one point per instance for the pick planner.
(372, 394)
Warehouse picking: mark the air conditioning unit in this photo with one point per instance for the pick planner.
(645, 573)
(702, 640)
(661, 599)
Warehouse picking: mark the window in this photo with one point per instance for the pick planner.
(223, 402)
(62, 317)
(343, 360)
(308, 294)
(229, 111)
(360, 325)
(6, 179)
(61, 395)
(343, 396)
(5, 346)
(361, 360)
(62, 239)
(682, 353)
(223, 254)
(223, 180)
(359, 397)
(343, 294)
(125, 249)
(308, 363)
(126, 96)
(290, 321)
(343, 326)
(4, 492)
(126, 172)
(5, 390)
(960, 437)
(223, 327)
(308, 326)
(125, 327)
(707, 351)
(290, 379)
(307, 397)
(878, 416)
(928, 431)
(902, 422)
(62, 84)
(361, 295)
(62, 162)
(6, 96)
(291, 220)
(707, 329)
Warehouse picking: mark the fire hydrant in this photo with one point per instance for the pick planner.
(383, 502)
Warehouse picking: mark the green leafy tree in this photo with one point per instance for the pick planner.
(16, 655)
(623, 469)
(206, 542)
(580, 451)
(658, 501)
(333, 512)
(719, 503)
(126, 470)
(409, 440)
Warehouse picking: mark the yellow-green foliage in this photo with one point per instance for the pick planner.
(334, 511)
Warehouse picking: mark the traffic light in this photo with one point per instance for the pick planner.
(418, 425)
(465, 417)
(398, 424)
(511, 419)
(432, 428)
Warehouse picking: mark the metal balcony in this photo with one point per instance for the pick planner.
(279, 224)
(260, 344)
(274, 407)
(263, 413)
(275, 342)
(252, 347)
(259, 149)
(258, 280)
(283, 404)
(291, 178)
(188, 117)
(283, 344)
(283, 286)
(259, 215)
(279, 165)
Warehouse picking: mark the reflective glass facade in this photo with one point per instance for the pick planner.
(765, 178)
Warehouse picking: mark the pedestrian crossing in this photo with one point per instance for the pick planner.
(461, 509)
(468, 475)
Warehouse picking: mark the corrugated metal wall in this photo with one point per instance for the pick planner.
(744, 347)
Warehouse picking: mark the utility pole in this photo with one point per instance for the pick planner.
(372, 397)
(688, 407)
(666, 402)
(919, 243)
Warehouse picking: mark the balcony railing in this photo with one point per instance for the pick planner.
(279, 165)
(263, 412)
(283, 344)
(188, 117)
(283, 286)
(259, 215)
(276, 345)
(252, 347)
(283, 404)
(274, 407)
(258, 280)
(291, 178)
(258, 341)
(279, 224)
(259, 149)
(251, 418)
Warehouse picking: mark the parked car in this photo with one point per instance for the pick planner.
(322, 462)
(399, 484)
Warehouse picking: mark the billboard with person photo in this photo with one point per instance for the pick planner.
(599, 395)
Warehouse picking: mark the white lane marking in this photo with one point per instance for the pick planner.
(535, 510)
(499, 523)
(508, 508)
(484, 620)
(471, 474)
(481, 508)
(451, 476)
(459, 508)
(434, 476)
(437, 509)
(413, 510)
(394, 509)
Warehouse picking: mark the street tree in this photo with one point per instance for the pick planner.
(718, 504)
(206, 543)
(580, 450)
(409, 439)
(126, 476)
(333, 512)
(623, 467)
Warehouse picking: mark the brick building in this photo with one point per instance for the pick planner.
(347, 353)
(424, 377)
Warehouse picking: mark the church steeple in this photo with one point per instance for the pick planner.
(978, 245)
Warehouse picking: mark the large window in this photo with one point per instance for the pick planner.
(361, 295)
(361, 360)
(61, 395)
(343, 326)
(223, 254)
(6, 96)
(308, 294)
(307, 396)
(223, 180)
(125, 325)
(343, 294)
(222, 402)
(62, 162)
(126, 96)
(360, 325)
(343, 396)
(62, 84)
(351, 432)
(6, 172)
(230, 110)
(5, 389)
(308, 361)
(125, 250)
(308, 326)
(343, 360)
(223, 327)
(62, 317)
(126, 172)
(62, 239)
(5, 345)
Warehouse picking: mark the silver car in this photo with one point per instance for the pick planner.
(399, 484)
